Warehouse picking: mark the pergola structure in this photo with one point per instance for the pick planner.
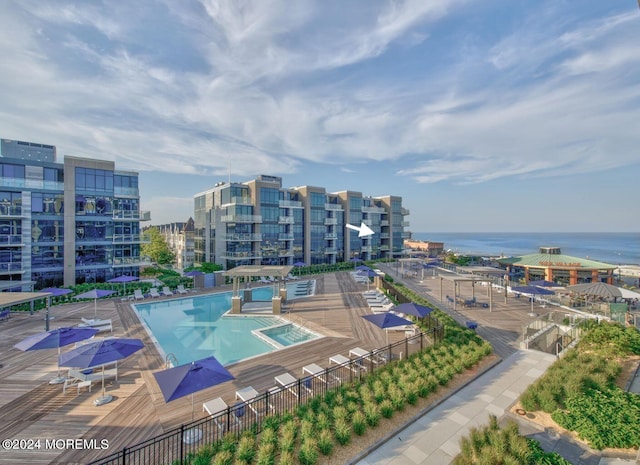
(7, 299)
(457, 279)
(241, 273)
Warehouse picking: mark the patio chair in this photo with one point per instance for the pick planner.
(137, 294)
(153, 292)
(180, 289)
(216, 408)
(166, 291)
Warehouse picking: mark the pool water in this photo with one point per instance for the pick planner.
(192, 328)
(285, 335)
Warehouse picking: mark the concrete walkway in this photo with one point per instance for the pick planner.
(434, 438)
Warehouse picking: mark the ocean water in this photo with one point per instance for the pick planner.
(613, 248)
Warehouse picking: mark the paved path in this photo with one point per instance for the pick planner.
(434, 438)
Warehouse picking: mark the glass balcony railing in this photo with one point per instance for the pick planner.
(333, 206)
(241, 237)
(11, 239)
(241, 219)
(131, 261)
(285, 237)
(8, 211)
(130, 239)
(285, 220)
(289, 204)
(236, 255)
(330, 221)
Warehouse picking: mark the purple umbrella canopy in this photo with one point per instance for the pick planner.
(362, 268)
(189, 378)
(368, 273)
(194, 273)
(100, 353)
(532, 290)
(57, 291)
(387, 320)
(412, 309)
(54, 339)
(298, 264)
(123, 279)
(95, 294)
(543, 283)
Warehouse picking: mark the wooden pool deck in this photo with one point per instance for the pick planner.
(30, 408)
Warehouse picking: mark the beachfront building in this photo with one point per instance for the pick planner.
(551, 265)
(259, 222)
(65, 223)
(428, 248)
(180, 240)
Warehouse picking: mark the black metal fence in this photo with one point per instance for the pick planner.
(174, 446)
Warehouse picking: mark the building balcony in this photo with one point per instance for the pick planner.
(384, 247)
(242, 237)
(330, 250)
(405, 224)
(285, 220)
(241, 218)
(384, 223)
(333, 206)
(242, 255)
(11, 212)
(239, 200)
(121, 262)
(367, 222)
(128, 215)
(285, 237)
(405, 235)
(290, 204)
(11, 240)
(373, 210)
(366, 248)
(384, 235)
(129, 239)
(11, 268)
(404, 211)
(285, 253)
(330, 221)
(330, 236)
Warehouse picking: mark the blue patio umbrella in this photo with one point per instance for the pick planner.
(100, 353)
(124, 279)
(55, 339)
(355, 260)
(95, 294)
(532, 290)
(412, 309)
(362, 268)
(368, 273)
(298, 264)
(387, 320)
(189, 378)
(193, 273)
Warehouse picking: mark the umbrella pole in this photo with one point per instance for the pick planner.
(95, 308)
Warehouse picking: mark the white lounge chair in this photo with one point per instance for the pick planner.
(166, 291)
(215, 408)
(137, 294)
(153, 292)
(180, 289)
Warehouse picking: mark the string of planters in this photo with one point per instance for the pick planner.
(317, 428)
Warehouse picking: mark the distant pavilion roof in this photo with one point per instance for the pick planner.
(259, 270)
(556, 261)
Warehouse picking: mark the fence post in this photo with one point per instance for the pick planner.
(181, 447)
(421, 341)
(124, 455)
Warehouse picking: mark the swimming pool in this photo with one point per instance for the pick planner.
(192, 328)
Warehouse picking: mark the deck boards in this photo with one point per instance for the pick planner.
(31, 408)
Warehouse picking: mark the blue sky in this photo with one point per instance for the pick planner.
(485, 115)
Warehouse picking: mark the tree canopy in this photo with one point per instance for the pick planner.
(157, 248)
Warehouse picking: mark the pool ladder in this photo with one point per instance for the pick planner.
(170, 361)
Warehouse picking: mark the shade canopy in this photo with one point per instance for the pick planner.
(599, 289)
(362, 268)
(533, 290)
(543, 283)
(100, 353)
(368, 273)
(193, 273)
(192, 377)
(412, 309)
(57, 291)
(355, 259)
(299, 264)
(123, 279)
(387, 320)
(55, 338)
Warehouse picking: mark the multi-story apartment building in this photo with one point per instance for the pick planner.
(260, 222)
(180, 239)
(65, 223)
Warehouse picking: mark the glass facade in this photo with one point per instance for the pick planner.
(103, 209)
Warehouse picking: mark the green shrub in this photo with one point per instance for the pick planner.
(359, 423)
(288, 437)
(286, 458)
(372, 414)
(268, 436)
(325, 442)
(224, 457)
(265, 454)
(308, 453)
(342, 431)
(386, 408)
(245, 451)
